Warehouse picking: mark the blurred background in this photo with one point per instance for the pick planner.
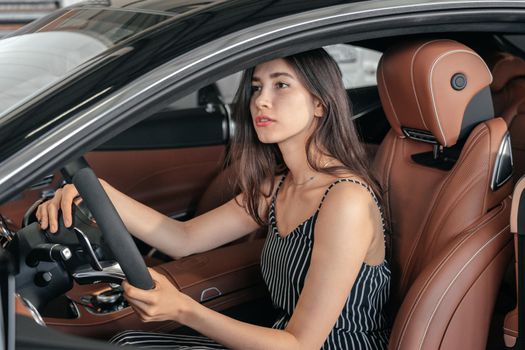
(65, 49)
(15, 14)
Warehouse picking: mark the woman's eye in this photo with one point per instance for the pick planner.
(281, 85)
(255, 88)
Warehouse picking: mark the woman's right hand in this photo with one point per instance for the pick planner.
(47, 212)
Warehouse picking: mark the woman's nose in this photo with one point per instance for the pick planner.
(262, 99)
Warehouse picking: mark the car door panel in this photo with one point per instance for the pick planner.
(13, 211)
(170, 180)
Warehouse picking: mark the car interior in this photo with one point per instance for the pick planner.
(442, 123)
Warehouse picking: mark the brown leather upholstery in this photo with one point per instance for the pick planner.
(508, 91)
(417, 75)
(201, 276)
(219, 191)
(450, 231)
(505, 68)
(510, 326)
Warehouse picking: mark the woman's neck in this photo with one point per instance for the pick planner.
(294, 156)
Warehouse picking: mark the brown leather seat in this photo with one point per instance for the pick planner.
(508, 91)
(510, 328)
(446, 179)
(220, 190)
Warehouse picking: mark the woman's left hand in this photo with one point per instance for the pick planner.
(162, 303)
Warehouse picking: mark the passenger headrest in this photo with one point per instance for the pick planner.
(434, 91)
(506, 67)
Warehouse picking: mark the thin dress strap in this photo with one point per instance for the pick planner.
(359, 183)
(279, 185)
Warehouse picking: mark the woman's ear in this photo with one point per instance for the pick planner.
(319, 110)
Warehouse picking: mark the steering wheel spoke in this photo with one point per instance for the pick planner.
(88, 250)
(111, 272)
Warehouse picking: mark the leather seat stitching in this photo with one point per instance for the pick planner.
(489, 167)
(456, 277)
(389, 171)
(460, 195)
(440, 265)
(510, 330)
(436, 199)
(432, 88)
(452, 206)
(412, 79)
(445, 259)
(387, 93)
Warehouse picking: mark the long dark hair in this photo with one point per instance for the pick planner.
(334, 136)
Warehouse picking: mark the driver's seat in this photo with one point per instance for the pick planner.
(445, 168)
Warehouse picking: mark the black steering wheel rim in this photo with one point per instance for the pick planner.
(113, 229)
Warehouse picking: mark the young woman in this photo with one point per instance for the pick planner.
(302, 171)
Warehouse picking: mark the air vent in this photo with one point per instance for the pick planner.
(420, 135)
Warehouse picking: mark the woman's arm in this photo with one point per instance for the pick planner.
(177, 239)
(343, 235)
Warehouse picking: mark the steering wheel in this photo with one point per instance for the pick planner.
(113, 229)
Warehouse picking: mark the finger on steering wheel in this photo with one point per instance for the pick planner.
(40, 215)
(52, 214)
(65, 204)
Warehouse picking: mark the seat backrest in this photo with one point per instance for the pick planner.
(444, 166)
(508, 92)
(220, 190)
(510, 325)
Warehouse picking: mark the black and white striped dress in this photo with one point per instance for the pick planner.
(284, 263)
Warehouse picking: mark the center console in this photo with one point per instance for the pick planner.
(220, 279)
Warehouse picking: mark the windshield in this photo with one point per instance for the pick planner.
(32, 61)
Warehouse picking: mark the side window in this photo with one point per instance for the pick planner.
(201, 118)
(197, 119)
(189, 101)
(358, 64)
(228, 86)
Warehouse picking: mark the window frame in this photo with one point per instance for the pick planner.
(198, 67)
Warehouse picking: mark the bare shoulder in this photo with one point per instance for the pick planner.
(349, 194)
(351, 217)
(349, 226)
(349, 209)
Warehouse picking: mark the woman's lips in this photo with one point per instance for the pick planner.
(263, 120)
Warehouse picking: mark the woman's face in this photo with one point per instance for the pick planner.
(282, 109)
